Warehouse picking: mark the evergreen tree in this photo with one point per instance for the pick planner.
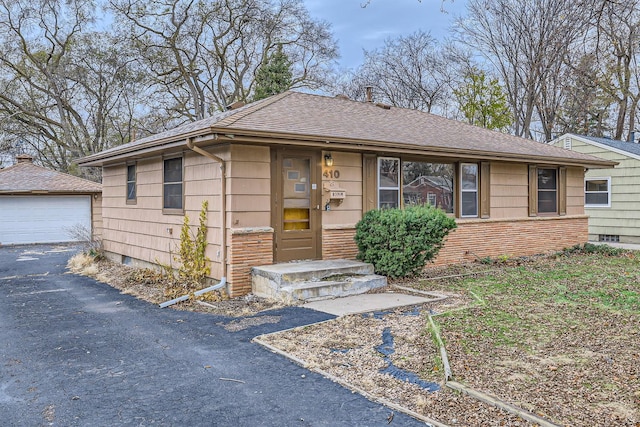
(274, 76)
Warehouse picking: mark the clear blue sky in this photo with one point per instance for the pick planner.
(358, 28)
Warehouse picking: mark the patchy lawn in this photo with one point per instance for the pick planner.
(557, 336)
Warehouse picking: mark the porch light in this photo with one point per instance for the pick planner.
(328, 160)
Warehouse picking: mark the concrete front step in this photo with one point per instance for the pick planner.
(313, 280)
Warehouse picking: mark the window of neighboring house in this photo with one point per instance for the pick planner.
(468, 190)
(388, 182)
(172, 183)
(426, 182)
(131, 183)
(597, 192)
(547, 190)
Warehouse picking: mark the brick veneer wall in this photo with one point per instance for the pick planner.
(247, 248)
(472, 239)
(339, 243)
(480, 238)
(475, 239)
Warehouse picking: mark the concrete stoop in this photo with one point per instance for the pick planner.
(314, 280)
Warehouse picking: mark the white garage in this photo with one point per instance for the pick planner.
(42, 219)
(39, 205)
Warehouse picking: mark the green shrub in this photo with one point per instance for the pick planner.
(194, 263)
(399, 242)
(590, 248)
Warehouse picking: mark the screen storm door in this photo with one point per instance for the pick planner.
(296, 207)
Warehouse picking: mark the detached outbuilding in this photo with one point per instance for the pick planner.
(40, 205)
(288, 177)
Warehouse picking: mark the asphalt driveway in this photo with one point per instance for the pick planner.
(76, 352)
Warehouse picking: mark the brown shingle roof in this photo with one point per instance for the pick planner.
(294, 115)
(25, 177)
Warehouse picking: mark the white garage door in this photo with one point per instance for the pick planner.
(42, 219)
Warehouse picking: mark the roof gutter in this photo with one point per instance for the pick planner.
(443, 152)
(223, 201)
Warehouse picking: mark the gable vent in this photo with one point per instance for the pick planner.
(567, 143)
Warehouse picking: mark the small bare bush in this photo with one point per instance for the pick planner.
(92, 245)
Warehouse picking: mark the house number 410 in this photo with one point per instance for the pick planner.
(332, 174)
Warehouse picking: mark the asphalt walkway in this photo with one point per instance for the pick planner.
(76, 352)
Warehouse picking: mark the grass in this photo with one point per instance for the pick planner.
(569, 321)
(584, 280)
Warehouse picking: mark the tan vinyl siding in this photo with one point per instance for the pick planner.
(509, 190)
(621, 219)
(349, 166)
(249, 187)
(141, 231)
(575, 191)
(96, 216)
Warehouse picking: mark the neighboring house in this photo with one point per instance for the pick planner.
(39, 205)
(288, 177)
(433, 190)
(612, 196)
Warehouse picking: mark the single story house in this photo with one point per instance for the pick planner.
(612, 195)
(40, 205)
(288, 177)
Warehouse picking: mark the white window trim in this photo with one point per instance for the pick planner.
(397, 159)
(432, 199)
(608, 179)
(476, 190)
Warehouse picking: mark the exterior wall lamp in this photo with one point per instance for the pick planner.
(328, 160)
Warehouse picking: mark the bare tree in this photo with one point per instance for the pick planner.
(64, 89)
(586, 108)
(527, 43)
(618, 48)
(406, 72)
(202, 56)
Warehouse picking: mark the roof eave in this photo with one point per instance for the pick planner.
(47, 192)
(228, 134)
(99, 159)
(367, 145)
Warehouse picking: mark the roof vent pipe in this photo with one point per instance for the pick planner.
(632, 136)
(369, 91)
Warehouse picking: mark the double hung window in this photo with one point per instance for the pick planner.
(469, 189)
(172, 183)
(547, 190)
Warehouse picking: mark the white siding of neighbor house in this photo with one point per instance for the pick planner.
(622, 218)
